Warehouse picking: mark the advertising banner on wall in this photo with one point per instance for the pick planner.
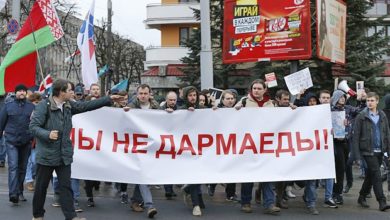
(331, 30)
(264, 30)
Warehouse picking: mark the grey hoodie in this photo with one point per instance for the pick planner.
(336, 97)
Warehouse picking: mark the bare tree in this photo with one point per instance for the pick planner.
(127, 56)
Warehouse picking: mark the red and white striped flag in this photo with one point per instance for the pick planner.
(69, 58)
(45, 84)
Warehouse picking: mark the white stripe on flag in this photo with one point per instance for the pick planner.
(87, 48)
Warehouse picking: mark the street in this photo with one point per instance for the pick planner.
(108, 206)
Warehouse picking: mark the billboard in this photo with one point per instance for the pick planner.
(331, 30)
(264, 30)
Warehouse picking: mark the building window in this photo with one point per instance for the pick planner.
(184, 35)
(380, 7)
(370, 31)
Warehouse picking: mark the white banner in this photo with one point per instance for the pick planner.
(204, 146)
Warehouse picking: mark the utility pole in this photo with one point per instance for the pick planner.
(16, 10)
(206, 55)
(109, 43)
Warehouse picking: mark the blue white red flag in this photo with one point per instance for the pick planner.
(86, 44)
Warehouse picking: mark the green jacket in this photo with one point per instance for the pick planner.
(47, 117)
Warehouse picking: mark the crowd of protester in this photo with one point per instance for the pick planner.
(29, 136)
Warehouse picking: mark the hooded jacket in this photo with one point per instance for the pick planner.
(335, 98)
(350, 111)
(308, 96)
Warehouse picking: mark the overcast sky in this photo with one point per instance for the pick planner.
(127, 19)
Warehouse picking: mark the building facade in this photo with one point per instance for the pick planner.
(381, 9)
(175, 20)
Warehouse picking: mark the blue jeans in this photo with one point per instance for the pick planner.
(142, 193)
(3, 149)
(267, 192)
(310, 193)
(196, 194)
(17, 164)
(268, 195)
(168, 188)
(30, 172)
(75, 185)
(328, 188)
(246, 193)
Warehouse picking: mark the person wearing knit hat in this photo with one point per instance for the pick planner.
(20, 87)
(14, 125)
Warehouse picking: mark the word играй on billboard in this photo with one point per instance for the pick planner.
(264, 30)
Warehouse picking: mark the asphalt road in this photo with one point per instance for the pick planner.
(108, 206)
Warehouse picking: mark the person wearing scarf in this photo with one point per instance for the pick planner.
(257, 97)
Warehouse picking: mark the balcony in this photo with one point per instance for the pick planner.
(160, 14)
(159, 56)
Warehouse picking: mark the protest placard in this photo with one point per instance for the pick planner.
(359, 87)
(338, 118)
(299, 81)
(216, 93)
(270, 80)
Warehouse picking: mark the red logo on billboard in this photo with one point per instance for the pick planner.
(266, 30)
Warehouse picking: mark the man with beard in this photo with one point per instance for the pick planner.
(14, 122)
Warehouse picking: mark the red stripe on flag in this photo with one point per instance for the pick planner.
(21, 72)
(49, 81)
(41, 88)
(91, 48)
(37, 22)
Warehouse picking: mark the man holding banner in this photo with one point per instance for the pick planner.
(258, 98)
(51, 125)
(193, 191)
(142, 192)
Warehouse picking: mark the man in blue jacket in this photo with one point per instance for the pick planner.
(14, 121)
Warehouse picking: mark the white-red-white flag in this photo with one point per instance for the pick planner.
(86, 44)
(45, 84)
(69, 58)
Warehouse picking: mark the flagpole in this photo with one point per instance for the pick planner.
(72, 64)
(72, 60)
(35, 44)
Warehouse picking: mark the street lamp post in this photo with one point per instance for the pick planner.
(206, 54)
(109, 43)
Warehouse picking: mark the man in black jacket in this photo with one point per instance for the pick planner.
(371, 139)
